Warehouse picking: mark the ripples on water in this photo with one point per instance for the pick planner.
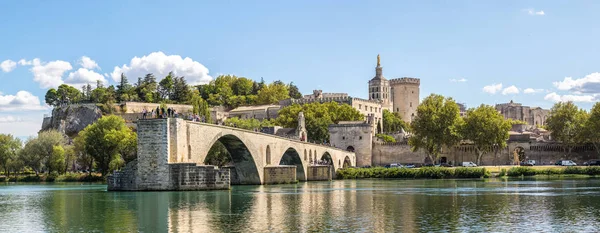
(339, 206)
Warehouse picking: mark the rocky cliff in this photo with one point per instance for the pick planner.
(72, 119)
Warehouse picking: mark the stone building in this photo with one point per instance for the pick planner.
(259, 112)
(531, 115)
(399, 95)
(355, 136)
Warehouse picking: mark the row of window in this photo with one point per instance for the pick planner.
(367, 108)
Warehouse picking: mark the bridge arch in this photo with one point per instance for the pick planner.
(246, 171)
(327, 157)
(291, 157)
(350, 148)
(347, 162)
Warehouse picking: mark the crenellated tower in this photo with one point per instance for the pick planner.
(405, 97)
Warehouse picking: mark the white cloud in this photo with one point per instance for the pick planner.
(510, 90)
(21, 125)
(492, 89)
(23, 100)
(588, 84)
(575, 98)
(160, 65)
(532, 91)
(462, 80)
(48, 74)
(24, 62)
(88, 63)
(84, 76)
(8, 66)
(534, 12)
(9, 119)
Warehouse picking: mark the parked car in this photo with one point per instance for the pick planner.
(532, 162)
(565, 163)
(444, 165)
(410, 166)
(526, 164)
(469, 164)
(592, 163)
(393, 165)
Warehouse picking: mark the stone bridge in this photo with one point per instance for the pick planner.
(175, 141)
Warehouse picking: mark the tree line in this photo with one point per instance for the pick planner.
(103, 146)
(438, 125)
(226, 90)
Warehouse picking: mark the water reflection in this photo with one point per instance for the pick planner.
(368, 206)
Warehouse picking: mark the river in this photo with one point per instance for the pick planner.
(492, 205)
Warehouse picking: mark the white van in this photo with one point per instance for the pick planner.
(567, 163)
(469, 164)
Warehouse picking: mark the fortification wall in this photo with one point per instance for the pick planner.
(355, 138)
(543, 153)
(387, 153)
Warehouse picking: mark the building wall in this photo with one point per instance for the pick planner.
(357, 136)
(369, 107)
(405, 97)
(387, 153)
(516, 111)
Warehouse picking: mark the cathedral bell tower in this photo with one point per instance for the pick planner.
(379, 87)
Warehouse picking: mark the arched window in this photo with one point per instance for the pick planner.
(268, 155)
(305, 158)
(310, 155)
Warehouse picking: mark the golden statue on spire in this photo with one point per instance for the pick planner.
(378, 60)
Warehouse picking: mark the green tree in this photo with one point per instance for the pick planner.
(249, 124)
(37, 152)
(257, 86)
(57, 161)
(318, 117)
(567, 124)
(592, 126)
(436, 125)
(392, 122)
(52, 98)
(218, 155)
(487, 129)
(181, 91)
(109, 141)
(242, 86)
(9, 151)
(165, 87)
(84, 159)
(200, 107)
(146, 89)
(124, 90)
(293, 91)
(273, 93)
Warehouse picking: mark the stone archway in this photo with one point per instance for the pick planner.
(329, 160)
(268, 157)
(244, 169)
(347, 162)
(291, 157)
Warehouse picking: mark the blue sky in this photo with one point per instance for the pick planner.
(539, 51)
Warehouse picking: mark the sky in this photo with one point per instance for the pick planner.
(478, 52)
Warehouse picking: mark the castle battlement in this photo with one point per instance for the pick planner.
(354, 99)
(405, 80)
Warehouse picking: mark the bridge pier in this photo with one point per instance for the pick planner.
(319, 173)
(280, 174)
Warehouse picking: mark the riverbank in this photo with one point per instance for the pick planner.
(463, 172)
(68, 177)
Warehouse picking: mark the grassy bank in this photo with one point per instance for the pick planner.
(68, 177)
(413, 173)
(533, 171)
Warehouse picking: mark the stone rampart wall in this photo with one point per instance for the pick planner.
(280, 174)
(543, 153)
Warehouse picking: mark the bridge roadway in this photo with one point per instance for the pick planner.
(189, 142)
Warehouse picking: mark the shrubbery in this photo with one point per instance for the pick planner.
(529, 171)
(412, 173)
(54, 177)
